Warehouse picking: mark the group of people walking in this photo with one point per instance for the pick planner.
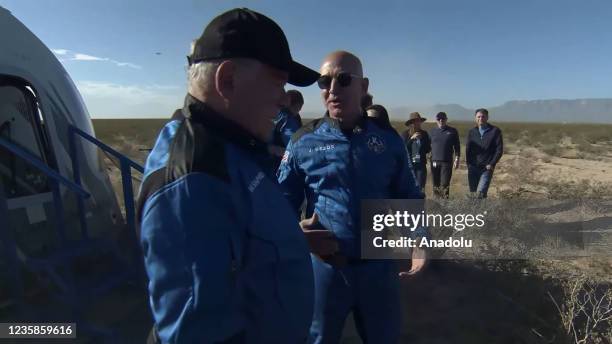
(483, 150)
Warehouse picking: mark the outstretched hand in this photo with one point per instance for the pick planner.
(419, 260)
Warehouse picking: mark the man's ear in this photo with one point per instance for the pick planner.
(364, 84)
(225, 79)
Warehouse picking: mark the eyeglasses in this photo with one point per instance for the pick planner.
(441, 119)
(344, 79)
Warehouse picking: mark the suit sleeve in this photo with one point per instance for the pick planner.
(427, 143)
(189, 258)
(457, 145)
(408, 146)
(499, 148)
(291, 178)
(468, 147)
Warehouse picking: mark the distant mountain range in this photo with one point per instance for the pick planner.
(549, 110)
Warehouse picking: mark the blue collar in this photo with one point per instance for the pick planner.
(482, 130)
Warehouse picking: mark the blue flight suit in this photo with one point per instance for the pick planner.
(334, 170)
(285, 125)
(226, 259)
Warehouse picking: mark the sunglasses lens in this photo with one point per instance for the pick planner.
(344, 79)
(324, 82)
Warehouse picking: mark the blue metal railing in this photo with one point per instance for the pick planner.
(56, 179)
(8, 241)
(125, 163)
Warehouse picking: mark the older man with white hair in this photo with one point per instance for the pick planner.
(225, 256)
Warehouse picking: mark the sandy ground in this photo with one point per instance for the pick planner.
(524, 167)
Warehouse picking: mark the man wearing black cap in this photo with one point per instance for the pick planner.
(445, 151)
(225, 256)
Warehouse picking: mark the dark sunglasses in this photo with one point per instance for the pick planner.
(343, 79)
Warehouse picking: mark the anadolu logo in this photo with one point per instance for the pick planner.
(375, 143)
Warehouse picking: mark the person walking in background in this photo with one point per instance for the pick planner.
(380, 116)
(445, 152)
(484, 148)
(418, 144)
(286, 123)
(296, 102)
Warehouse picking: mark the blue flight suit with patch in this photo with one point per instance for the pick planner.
(226, 259)
(286, 124)
(334, 170)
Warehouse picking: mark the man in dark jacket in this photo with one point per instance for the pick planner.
(445, 152)
(483, 150)
(225, 256)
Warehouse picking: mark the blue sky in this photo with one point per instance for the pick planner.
(416, 53)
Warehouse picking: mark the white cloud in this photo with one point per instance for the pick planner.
(85, 57)
(74, 56)
(126, 64)
(60, 51)
(111, 99)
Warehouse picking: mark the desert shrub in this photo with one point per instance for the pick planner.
(582, 189)
(585, 309)
(553, 150)
(599, 134)
(592, 151)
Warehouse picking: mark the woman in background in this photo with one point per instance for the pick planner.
(418, 144)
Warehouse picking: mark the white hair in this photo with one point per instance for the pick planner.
(202, 72)
(201, 75)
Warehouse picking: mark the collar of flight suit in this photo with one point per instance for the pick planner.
(202, 113)
(360, 126)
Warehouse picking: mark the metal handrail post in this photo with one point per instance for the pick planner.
(76, 175)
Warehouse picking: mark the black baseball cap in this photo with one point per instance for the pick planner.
(441, 115)
(244, 33)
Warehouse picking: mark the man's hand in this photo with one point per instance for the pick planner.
(416, 135)
(489, 167)
(419, 259)
(322, 242)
